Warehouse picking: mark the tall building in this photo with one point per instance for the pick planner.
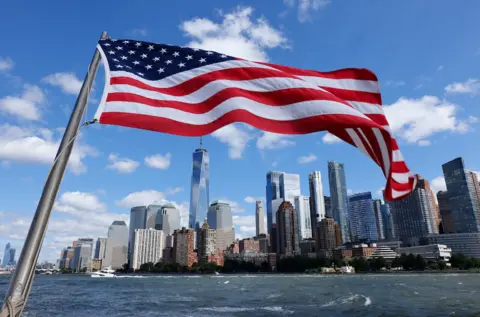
(287, 230)
(326, 238)
(6, 255)
(220, 218)
(100, 248)
(377, 210)
(465, 213)
(328, 206)
(445, 212)
(82, 257)
(431, 204)
(388, 222)
(151, 215)
(138, 220)
(11, 260)
(289, 187)
(148, 247)
(474, 188)
(259, 218)
(207, 238)
(363, 224)
(339, 198)
(168, 219)
(302, 207)
(116, 248)
(183, 247)
(317, 201)
(272, 194)
(199, 195)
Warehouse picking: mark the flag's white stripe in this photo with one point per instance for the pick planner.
(284, 113)
(365, 140)
(396, 193)
(384, 149)
(397, 156)
(181, 77)
(356, 139)
(212, 88)
(401, 178)
(348, 84)
(366, 108)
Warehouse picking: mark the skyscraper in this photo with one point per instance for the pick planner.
(317, 202)
(302, 207)
(100, 248)
(116, 248)
(363, 224)
(148, 247)
(377, 210)
(339, 198)
(474, 188)
(289, 187)
(259, 218)
(465, 213)
(431, 203)
(328, 206)
(6, 255)
(138, 220)
(388, 222)
(326, 239)
(445, 212)
(287, 230)
(82, 257)
(220, 218)
(11, 260)
(272, 193)
(183, 247)
(199, 194)
(207, 243)
(168, 219)
(151, 215)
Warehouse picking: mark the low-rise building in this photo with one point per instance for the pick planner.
(262, 243)
(431, 252)
(467, 244)
(96, 265)
(249, 245)
(384, 252)
(363, 250)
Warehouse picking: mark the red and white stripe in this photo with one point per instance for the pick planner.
(273, 98)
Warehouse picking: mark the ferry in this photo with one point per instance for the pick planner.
(105, 272)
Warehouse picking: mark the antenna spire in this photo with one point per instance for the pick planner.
(201, 142)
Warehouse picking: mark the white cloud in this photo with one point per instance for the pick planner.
(394, 83)
(307, 159)
(440, 68)
(329, 138)
(121, 164)
(37, 145)
(6, 64)
(354, 191)
(269, 141)
(379, 192)
(68, 82)
(71, 202)
(415, 120)
(236, 138)
(25, 106)
(424, 142)
(470, 87)
(138, 32)
(236, 208)
(244, 226)
(159, 161)
(145, 197)
(252, 200)
(438, 183)
(306, 7)
(238, 35)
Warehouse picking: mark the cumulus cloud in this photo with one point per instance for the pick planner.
(235, 137)
(244, 226)
(238, 34)
(252, 200)
(68, 82)
(329, 138)
(307, 7)
(6, 64)
(438, 184)
(159, 161)
(469, 87)
(25, 106)
(122, 164)
(270, 141)
(307, 159)
(146, 197)
(414, 120)
(236, 208)
(39, 145)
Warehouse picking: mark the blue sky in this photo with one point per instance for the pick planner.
(426, 55)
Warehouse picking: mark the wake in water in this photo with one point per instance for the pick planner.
(277, 309)
(349, 300)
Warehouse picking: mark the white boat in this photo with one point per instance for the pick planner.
(105, 272)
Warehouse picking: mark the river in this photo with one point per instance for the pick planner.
(255, 295)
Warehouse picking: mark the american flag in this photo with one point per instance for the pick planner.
(192, 92)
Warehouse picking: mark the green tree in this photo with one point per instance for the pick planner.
(360, 264)
(84, 270)
(420, 263)
(442, 264)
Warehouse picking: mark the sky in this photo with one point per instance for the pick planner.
(426, 55)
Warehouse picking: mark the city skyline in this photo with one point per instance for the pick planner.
(430, 101)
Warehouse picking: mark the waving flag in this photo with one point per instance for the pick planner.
(193, 92)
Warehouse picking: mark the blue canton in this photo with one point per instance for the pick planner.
(156, 61)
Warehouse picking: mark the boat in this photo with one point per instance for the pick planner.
(105, 272)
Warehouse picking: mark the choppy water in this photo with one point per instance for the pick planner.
(255, 295)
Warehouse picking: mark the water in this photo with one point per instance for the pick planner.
(255, 295)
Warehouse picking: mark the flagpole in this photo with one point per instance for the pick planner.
(21, 281)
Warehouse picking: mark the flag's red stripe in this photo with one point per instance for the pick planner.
(355, 95)
(375, 148)
(300, 126)
(271, 98)
(399, 167)
(378, 118)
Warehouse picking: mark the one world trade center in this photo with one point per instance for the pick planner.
(199, 195)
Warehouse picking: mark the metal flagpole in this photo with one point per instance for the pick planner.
(21, 281)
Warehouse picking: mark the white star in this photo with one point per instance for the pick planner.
(202, 60)
(156, 59)
(138, 44)
(143, 56)
(168, 62)
(113, 40)
(128, 67)
(150, 47)
(163, 51)
(209, 53)
(119, 48)
(118, 66)
(111, 52)
(115, 60)
(131, 52)
(123, 57)
(223, 56)
(160, 70)
(126, 42)
(136, 62)
(107, 44)
(196, 49)
(189, 57)
(141, 74)
(148, 66)
(175, 54)
(181, 65)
